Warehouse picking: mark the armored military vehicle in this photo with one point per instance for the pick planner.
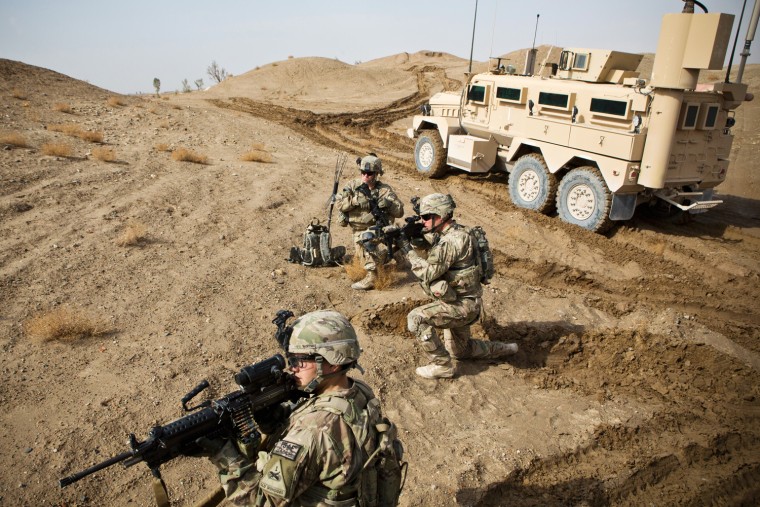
(591, 139)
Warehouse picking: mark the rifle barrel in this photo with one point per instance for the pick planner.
(100, 466)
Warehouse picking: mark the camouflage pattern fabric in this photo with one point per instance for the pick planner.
(370, 259)
(450, 274)
(351, 202)
(355, 207)
(315, 460)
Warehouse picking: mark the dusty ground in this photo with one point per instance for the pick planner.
(637, 382)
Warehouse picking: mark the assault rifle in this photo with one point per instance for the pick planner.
(380, 216)
(262, 387)
(393, 236)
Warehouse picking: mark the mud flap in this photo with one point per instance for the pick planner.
(623, 206)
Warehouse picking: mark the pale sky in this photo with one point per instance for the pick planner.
(121, 46)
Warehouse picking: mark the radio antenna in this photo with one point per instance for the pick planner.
(472, 45)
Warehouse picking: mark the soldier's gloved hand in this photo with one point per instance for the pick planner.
(404, 246)
(206, 447)
(383, 203)
(361, 202)
(391, 229)
(228, 457)
(270, 418)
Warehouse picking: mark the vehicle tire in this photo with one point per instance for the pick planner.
(430, 155)
(583, 199)
(531, 185)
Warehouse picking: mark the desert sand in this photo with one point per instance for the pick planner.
(638, 376)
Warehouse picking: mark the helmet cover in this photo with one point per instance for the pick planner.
(370, 163)
(437, 204)
(326, 333)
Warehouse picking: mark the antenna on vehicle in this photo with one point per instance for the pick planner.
(736, 38)
(751, 29)
(530, 60)
(472, 45)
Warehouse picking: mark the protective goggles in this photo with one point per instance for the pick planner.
(299, 360)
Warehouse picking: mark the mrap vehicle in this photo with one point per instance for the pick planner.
(593, 140)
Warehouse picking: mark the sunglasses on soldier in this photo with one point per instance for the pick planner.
(298, 360)
(368, 173)
(427, 216)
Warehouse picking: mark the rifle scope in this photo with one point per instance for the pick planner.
(261, 374)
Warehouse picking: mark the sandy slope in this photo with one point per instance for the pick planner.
(637, 380)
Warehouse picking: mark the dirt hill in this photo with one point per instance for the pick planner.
(637, 380)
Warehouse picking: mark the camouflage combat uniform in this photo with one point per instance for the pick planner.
(354, 208)
(312, 461)
(451, 275)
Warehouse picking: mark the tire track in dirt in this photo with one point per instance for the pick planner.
(674, 274)
(353, 132)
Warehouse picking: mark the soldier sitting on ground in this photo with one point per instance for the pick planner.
(355, 211)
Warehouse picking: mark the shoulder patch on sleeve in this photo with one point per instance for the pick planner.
(288, 450)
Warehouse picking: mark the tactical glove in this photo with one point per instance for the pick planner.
(270, 418)
(404, 246)
(360, 201)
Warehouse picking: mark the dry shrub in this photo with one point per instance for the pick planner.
(185, 155)
(176, 106)
(132, 235)
(386, 275)
(62, 107)
(63, 323)
(13, 139)
(70, 129)
(162, 147)
(355, 269)
(115, 101)
(91, 136)
(257, 156)
(258, 145)
(57, 149)
(104, 154)
(18, 94)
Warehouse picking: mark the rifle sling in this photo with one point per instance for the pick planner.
(159, 491)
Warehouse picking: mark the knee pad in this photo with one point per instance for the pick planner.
(413, 321)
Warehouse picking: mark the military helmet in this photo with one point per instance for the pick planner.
(437, 204)
(326, 333)
(370, 163)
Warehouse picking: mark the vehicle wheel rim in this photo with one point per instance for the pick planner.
(426, 155)
(581, 202)
(528, 186)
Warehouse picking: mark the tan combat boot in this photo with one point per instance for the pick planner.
(434, 371)
(366, 283)
(501, 349)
